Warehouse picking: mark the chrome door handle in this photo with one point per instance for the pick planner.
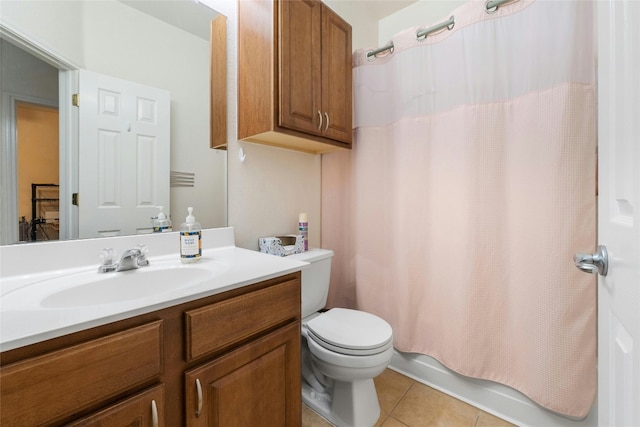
(320, 121)
(597, 263)
(326, 126)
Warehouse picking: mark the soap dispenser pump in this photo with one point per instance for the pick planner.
(161, 224)
(190, 239)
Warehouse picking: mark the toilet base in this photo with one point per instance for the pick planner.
(319, 402)
(353, 404)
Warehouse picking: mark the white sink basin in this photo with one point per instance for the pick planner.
(126, 286)
(90, 288)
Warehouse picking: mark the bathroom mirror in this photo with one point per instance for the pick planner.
(165, 45)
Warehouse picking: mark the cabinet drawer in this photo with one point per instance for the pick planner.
(222, 324)
(145, 409)
(51, 387)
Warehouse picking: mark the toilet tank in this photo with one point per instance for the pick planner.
(315, 279)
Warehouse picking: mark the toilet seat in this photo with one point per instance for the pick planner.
(350, 332)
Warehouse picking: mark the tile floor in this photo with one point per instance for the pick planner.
(408, 403)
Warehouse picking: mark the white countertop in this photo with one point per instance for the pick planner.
(24, 320)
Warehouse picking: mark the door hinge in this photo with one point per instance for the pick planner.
(74, 199)
(75, 99)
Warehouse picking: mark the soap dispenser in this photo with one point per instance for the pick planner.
(161, 224)
(190, 239)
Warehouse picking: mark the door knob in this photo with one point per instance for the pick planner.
(597, 263)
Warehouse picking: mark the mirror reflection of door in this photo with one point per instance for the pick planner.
(29, 89)
(37, 151)
(123, 155)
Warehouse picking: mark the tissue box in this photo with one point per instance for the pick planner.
(282, 245)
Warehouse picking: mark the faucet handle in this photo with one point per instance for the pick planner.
(107, 260)
(144, 252)
(107, 256)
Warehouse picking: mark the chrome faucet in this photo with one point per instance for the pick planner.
(130, 259)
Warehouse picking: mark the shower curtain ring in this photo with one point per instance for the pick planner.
(491, 6)
(370, 56)
(490, 9)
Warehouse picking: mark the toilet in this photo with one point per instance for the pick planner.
(342, 350)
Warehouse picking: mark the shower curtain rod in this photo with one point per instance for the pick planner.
(448, 24)
(490, 6)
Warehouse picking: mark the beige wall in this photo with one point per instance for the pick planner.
(269, 189)
(37, 152)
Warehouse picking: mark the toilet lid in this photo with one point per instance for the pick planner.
(351, 331)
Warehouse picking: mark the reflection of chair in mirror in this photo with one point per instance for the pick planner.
(45, 214)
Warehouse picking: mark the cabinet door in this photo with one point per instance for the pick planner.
(300, 66)
(256, 385)
(336, 77)
(142, 410)
(77, 378)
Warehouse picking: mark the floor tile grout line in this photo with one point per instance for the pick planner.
(398, 421)
(413, 382)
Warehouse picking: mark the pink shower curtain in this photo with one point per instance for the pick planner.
(470, 186)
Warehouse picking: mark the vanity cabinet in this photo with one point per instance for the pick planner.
(250, 386)
(259, 376)
(235, 355)
(295, 75)
(51, 388)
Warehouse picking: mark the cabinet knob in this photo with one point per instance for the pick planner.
(320, 117)
(326, 124)
(199, 391)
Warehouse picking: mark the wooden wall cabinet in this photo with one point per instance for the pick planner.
(294, 75)
(217, 361)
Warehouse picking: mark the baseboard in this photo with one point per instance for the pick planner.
(497, 399)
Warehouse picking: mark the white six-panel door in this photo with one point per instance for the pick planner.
(123, 155)
(619, 212)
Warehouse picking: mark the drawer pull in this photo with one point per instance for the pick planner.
(154, 414)
(320, 117)
(199, 390)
